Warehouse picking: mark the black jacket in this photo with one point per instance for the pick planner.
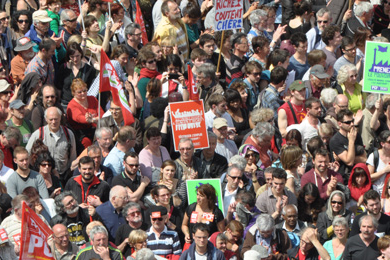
(218, 165)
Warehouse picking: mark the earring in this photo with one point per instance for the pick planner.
(383, 256)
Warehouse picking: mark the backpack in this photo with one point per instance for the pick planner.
(260, 97)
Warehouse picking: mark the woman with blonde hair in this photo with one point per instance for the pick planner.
(383, 246)
(347, 85)
(137, 240)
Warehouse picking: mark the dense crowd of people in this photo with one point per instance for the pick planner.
(302, 153)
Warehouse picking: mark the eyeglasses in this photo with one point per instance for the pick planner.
(62, 237)
(155, 219)
(322, 21)
(4, 18)
(151, 61)
(73, 20)
(132, 165)
(353, 76)
(136, 34)
(50, 97)
(134, 213)
(348, 122)
(23, 21)
(235, 177)
(249, 155)
(46, 164)
(337, 202)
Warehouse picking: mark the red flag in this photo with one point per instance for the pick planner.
(140, 20)
(34, 236)
(109, 81)
(194, 93)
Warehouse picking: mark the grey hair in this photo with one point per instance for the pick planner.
(255, 16)
(289, 205)
(379, 39)
(97, 230)
(208, 70)
(145, 254)
(211, 134)
(222, 236)
(129, 206)
(263, 129)
(186, 139)
(343, 73)
(98, 132)
(265, 222)
(233, 166)
(328, 96)
(65, 15)
(306, 229)
(239, 161)
(371, 99)
(94, 148)
(340, 221)
(59, 198)
(58, 110)
(363, 7)
(322, 12)
(12, 132)
(115, 190)
(373, 219)
(130, 29)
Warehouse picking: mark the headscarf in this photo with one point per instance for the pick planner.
(355, 191)
(329, 211)
(29, 82)
(246, 148)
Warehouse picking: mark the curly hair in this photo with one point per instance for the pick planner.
(343, 73)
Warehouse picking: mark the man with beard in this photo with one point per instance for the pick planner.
(372, 203)
(171, 25)
(133, 215)
(47, 97)
(230, 188)
(310, 125)
(23, 177)
(17, 111)
(325, 179)
(276, 197)
(24, 47)
(73, 217)
(318, 80)
(88, 188)
(134, 183)
(365, 244)
(217, 104)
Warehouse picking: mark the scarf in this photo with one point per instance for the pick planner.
(355, 191)
(147, 73)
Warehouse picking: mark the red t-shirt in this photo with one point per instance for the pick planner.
(300, 113)
(8, 159)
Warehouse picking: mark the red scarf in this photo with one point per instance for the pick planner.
(355, 191)
(147, 73)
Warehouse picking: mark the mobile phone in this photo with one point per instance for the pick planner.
(173, 76)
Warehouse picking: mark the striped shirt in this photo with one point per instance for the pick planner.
(167, 244)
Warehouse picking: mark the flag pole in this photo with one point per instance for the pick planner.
(99, 110)
(81, 13)
(220, 51)
(109, 11)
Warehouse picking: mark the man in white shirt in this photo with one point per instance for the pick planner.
(225, 147)
(218, 108)
(233, 177)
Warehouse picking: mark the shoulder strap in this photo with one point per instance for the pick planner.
(66, 132)
(30, 126)
(9, 122)
(41, 133)
(376, 159)
(150, 123)
(293, 112)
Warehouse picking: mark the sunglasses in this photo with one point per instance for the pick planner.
(151, 61)
(348, 122)
(4, 18)
(132, 165)
(337, 202)
(249, 155)
(235, 177)
(23, 21)
(45, 164)
(324, 21)
(73, 20)
(155, 219)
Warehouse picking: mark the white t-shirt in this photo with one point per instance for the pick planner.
(379, 183)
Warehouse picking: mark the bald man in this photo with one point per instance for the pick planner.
(340, 103)
(110, 211)
(60, 244)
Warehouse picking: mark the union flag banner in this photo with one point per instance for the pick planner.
(140, 20)
(193, 89)
(109, 81)
(34, 236)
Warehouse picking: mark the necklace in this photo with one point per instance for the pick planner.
(296, 109)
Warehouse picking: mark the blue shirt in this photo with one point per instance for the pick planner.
(111, 218)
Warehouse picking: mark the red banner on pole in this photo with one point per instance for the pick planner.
(140, 20)
(188, 120)
(109, 81)
(194, 92)
(34, 236)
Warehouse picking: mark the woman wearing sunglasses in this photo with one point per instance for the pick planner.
(20, 24)
(254, 169)
(335, 207)
(147, 61)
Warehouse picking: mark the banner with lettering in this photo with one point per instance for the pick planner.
(188, 120)
(34, 236)
(192, 185)
(377, 68)
(228, 14)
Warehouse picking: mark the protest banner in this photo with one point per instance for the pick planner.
(188, 120)
(193, 89)
(377, 68)
(192, 185)
(228, 16)
(34, 236)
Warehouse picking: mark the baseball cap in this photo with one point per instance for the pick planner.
(24, 43)
(219, 122)
(319, 71)
(261, 250)
(4, 85)
(158, 211)
(297, 85)
(16, 104)
(41, 16)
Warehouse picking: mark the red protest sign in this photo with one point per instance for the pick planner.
(188, 120)
(34, 236)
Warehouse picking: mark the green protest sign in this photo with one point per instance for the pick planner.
(192, 185)
(377, 68)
